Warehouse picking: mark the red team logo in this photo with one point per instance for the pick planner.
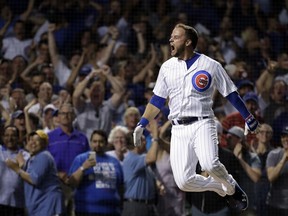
(201, 80)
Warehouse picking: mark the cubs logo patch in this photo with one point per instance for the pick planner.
(201, 80)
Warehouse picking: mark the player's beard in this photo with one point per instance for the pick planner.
(178, 52)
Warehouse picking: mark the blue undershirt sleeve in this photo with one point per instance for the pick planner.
(238, 103)
(157, 101)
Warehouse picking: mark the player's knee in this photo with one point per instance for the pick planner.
(212, 166)
(184, 182)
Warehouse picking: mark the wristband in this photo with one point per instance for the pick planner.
(82, 168)
(143, 122)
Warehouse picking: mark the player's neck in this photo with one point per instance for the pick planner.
(188, 56)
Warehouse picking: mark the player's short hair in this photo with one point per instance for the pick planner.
(190, 32)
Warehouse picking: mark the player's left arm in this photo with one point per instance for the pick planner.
(250, 120)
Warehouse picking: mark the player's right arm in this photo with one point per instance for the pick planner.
(151, 111)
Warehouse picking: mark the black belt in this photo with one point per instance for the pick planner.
(187, 120)
(147, 202)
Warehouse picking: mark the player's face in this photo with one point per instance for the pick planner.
(177, 42)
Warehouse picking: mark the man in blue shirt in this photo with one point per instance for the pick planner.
(140, 186)
(98, 178)
(65, 143)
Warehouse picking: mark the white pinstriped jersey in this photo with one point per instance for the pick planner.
(190, 90)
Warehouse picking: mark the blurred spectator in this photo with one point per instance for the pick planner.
(11, 185)
(276, 102)
(44, 97)
(140, 186)
(98, 178)
(18, 96)
(229, 43)
(65, 143)
(117, 139)
(262, 146)
(171, 200)
(18, 120)
(96, 113)
(250, 163)
(278, 124)
(131, 118)
(50, 118)
(43, 195)
(17, 44)
(35, 81)
(277, 169)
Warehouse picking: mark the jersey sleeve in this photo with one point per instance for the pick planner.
(223, 82)
(160, 88)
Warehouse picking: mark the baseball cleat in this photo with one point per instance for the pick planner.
(238, 200)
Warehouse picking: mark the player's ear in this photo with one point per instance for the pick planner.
(188, 42)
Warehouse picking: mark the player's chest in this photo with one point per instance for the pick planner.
(197, 79)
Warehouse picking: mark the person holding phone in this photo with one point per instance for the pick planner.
(98, 179)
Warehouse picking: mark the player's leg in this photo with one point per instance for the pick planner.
(184, 160)
(206, 148)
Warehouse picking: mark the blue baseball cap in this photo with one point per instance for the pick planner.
(284, 130)
(250, 96)
(245, 82)
(85, 70)
(17, 114)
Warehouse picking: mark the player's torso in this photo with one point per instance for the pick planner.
(190, 90)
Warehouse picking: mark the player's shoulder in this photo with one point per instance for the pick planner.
(206, 58)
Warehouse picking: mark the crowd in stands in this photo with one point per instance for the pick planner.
(75, 76)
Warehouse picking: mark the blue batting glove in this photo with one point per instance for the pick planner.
(251, 124)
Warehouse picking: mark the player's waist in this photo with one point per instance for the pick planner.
(187, 120)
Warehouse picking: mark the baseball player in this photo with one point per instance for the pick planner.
(189, 79)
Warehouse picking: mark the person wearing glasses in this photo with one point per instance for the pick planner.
(262, 146)
(65, 143)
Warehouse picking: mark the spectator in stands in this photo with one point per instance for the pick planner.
(139, 179)
(171, 200)
(250, 163)
(97, 113)
(17, 44)
(44, 97)
(118, 140)
(98, 180)
(43, 195)
(65, 143)
(262, 146)
(11, 185)
(17, 119)
(277, 170)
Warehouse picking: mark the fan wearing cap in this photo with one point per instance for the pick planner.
(249, 161)
(277, 172)
(43, 195)
(18, 120)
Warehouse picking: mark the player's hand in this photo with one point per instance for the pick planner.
(137, 134)
(251, 124)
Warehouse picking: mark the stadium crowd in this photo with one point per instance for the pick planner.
(75, 76)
